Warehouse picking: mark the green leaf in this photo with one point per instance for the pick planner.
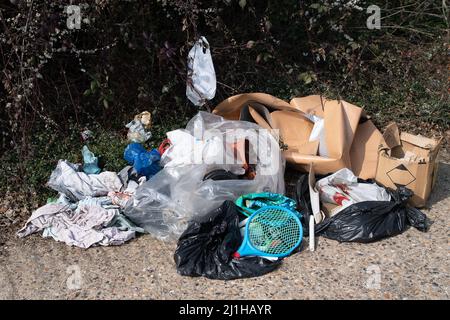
(307, 77)
(354, 45)
(242, 3)
(250, 44)
(93, 86)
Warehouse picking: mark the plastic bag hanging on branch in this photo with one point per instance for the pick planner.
(201, 77)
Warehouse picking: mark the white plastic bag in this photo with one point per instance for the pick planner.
(184, 145)
(318, 133)
(165, 203)
(342, 188)
(201, 76)
(137, 132)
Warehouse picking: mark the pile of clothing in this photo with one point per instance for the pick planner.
(88, 210)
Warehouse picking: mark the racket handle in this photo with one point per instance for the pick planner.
(243, 223)
(236, 255)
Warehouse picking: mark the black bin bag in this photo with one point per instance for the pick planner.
(206, 248)
(368, 221)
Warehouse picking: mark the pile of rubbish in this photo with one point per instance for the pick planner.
(217, 187)
(88, 209)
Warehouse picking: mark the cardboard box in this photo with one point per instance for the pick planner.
(352, 140)
(410, 161)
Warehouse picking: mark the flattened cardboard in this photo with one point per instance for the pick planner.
(352, 140)
(364, 150)
(231, 107)
(329, 209)
(350, 143)
(295, 130)
(293, 127)
(263, 120)
(314, 104)
(418, 175)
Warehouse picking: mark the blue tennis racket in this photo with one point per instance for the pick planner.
(271, 232)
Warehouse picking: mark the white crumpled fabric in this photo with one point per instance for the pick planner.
(201, 76)
(84, 215)
(84, 227)
(78, 185)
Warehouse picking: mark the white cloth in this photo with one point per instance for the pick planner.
(84, 227)
(79, 185)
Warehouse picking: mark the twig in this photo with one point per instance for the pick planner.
(70, 95)
(410, 29)
(226, 86)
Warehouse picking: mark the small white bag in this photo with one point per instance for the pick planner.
(201, 77)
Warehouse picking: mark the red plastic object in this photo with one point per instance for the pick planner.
(164, 146)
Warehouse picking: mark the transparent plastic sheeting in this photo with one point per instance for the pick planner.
(165, 203)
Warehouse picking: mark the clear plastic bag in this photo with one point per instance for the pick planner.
(165, 203)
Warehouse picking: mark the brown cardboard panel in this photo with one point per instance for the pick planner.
(321, 165)
(391, 136)
(259, 119)
(231, 107)
(421, 142)
(308, 148)
(313, 104)
(295, 130)
(341, 120)
(335, 129)
(328, 208)
(364, 150)
(345, 143)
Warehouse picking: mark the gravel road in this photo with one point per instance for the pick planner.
(413, 265)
